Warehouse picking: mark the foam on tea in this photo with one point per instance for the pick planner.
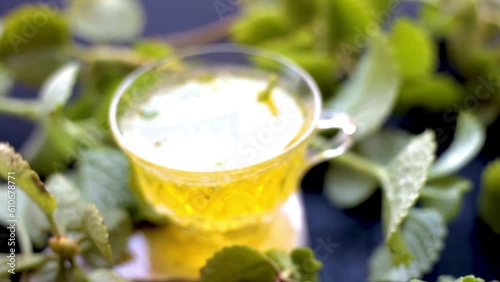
(213, 121)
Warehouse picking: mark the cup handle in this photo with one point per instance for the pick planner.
(326, 149)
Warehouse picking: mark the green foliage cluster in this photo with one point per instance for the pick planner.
(328, 37)
(368, 63)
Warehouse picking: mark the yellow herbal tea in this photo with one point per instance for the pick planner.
(208, 143)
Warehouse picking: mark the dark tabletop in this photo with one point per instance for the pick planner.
(471, 248)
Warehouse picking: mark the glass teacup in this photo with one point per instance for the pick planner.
(252, 181)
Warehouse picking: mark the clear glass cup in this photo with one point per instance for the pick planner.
(233, 198)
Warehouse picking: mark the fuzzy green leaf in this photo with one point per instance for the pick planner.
(369, 95)
(445, 278)
(414, 49)
(56, 91)
(25, 178)
(469, 138)
(445, 195)
(238, 263)
(68, 213)
(106, 21)
(347, 188)
(406, 175)
(435, 93)
(103, 177)
(306, 265)
(107, 275)
(489, 199)
(70, 202)
(424, 234)
(96, 231)
(32, 50)
(259, 24)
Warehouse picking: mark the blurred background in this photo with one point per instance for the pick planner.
(345, 239)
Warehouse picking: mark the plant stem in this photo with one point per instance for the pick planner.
(18, 107)
(78, 269)
(24, 240)
(361, 164)
(107, 53)
(53, 225)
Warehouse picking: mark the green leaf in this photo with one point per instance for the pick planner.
(435, 93)
(51, 147)
(47, 273)
(383, 146)
(70, 202)
(25, 178)
(299, 40)
(445, 195)
(300, 12)
(406, 175)
(307, 266)
(321, 67)
(6, 81)
(96, 231)
(414, 49)
(259, 24)
(347, 20)
(68, 213)
(280, 259)
(33, 42)
(120, 228)
(383, 6)
(489, 199)
(101, 275)
(56, 91)
(347, 188)
(470, 278)
(238, 263)
(153, 49)
(369, 95)
(446, 278)
(424, 234)
(469, 139)
(103, 177)
(106, 21)
(438, 21)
